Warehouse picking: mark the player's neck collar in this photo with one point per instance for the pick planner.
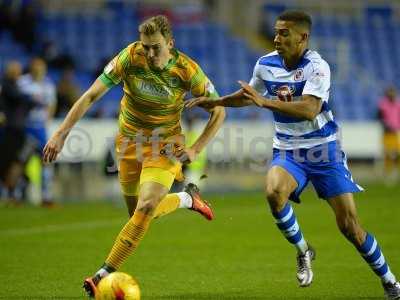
(170, 63)
(295, 66)
(172, 60)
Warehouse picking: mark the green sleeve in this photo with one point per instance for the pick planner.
(202, 86)
(107, 80)
(114, 71)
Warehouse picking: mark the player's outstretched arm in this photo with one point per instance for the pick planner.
(307, 108)
(189, 154)
(56, 142)
(217, 117)
(235, 99)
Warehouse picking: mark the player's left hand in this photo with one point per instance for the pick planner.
(204, 102)
(53, 147)
(251, 94)
(185, 155)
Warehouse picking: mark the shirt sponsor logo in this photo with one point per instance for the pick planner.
(153, 89)
(275, 88)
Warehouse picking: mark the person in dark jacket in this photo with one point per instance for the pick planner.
(15, 148)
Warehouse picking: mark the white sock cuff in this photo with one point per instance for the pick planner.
(302, 246)
(185, 200)
(388, 277)
(102, 272)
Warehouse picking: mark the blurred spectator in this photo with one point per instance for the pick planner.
(67, 93)
(15, 148)
(389, 115)
(43, 93)
(21, 18)
(54, 58)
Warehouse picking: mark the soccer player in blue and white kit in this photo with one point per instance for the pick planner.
(43, 94)
(306, 146)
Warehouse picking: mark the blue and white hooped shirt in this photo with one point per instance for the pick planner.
(43, 94)
(310, 77)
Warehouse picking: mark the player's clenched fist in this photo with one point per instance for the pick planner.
(53, 147)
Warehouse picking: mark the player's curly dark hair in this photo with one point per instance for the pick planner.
(155, 24)
(299, 17)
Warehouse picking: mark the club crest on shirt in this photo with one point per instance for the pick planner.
(299, 75)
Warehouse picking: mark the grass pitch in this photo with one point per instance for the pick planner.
(45, 254)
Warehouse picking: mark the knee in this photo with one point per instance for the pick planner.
(147, 206)
(347, 224)
(351, 229)
(276, 197)
(147, 203)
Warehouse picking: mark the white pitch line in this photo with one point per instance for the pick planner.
(59, 227)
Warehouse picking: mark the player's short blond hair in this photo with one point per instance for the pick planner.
(155, 24)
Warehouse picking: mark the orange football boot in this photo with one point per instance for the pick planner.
(199, 205)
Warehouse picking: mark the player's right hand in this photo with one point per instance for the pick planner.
(251, 94)
(203, 102)
(53, 147)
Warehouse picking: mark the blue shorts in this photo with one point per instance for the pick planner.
(324, 165)
(39, 134)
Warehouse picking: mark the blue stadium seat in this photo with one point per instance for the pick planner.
(372, 57)
(360, 51)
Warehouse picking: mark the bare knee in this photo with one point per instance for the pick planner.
(351, 229)
(148, 202)
(276, 197)
(279, 185)
(147, 206)
(150, 195)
